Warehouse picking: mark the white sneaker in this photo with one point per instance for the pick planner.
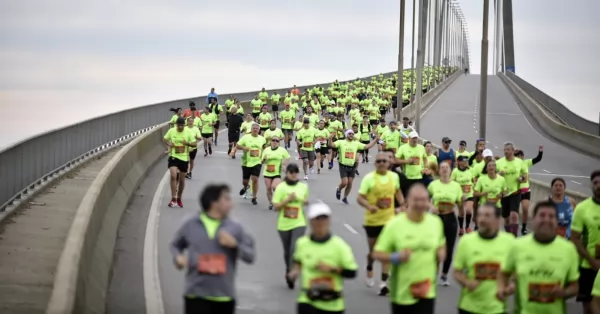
(383, 289)
(370, 282)
(444, 281)
(312, 170)
(306, 178)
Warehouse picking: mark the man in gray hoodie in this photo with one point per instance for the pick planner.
(213, 243)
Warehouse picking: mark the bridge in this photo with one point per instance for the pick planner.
(84, 227)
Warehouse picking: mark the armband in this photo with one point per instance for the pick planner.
(395, 258)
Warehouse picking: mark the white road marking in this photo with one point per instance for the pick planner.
(152, 287)
(559, 175)
(350, 228)
(546, 171)
(575, 182)
(496, 147)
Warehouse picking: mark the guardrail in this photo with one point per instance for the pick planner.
(586, 143)
(83, 272)
(28, 166)
(555, 107)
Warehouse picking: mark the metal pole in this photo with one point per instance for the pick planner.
(484, 71)
(494, 53)
(400, 62)
(423, 7)
(446, 38)
(442, 33)
(428, 37)
(498, 39)
(501, 34)
(412, 54)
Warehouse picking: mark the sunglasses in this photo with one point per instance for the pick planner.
(381, 161)
(274, 140)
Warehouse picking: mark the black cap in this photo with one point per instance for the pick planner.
(463, 158)
(405, 119)
(292, 167)
(192, 104)
(463, 142)
(306, 120)
(180, 121)
(446, 139)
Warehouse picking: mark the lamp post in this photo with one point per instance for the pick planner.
(400, 62)
(484, 71)
(412, 54)
(423, 10)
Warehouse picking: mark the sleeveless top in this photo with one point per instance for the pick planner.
(448, 157)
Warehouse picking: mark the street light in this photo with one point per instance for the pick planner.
(400, 62)
(423, 8)
(484, 71)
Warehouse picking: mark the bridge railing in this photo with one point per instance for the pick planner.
(566, 116)
(30, 164)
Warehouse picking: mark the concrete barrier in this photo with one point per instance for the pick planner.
(580, 141)
(539, 190)
(428, 98)
(83, 273)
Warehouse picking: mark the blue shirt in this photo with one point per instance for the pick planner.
(446, 156)
(212, 95)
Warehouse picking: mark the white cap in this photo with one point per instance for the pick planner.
(318, 209)
(348, 132)
(488, 153)
(413, 134)
(333, 102)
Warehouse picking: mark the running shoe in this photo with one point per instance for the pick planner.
(524, 231)
(179, 203)
(338, 193)
(290, 283)
(444, 281)
(243, 191)
(210, 150)
(271, 206)
(306, 178)
(172, 203)
(370, 279)
(383, 289)
(345, 201)
(188, 175)
(461, 232)
(254, 202)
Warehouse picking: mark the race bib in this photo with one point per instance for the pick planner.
(445, 206)
(466, 188)
(270, 168)
(562, 231)
(213, 264)
(254, 153)
(349, 155)
(420, 290)
(416, 161)
(541, 292)
(307, 144)
(322, 284)
(492, 199)
(291, 212)
(384, 203)
(287, 121)
(264, 122)
(486, 271)
(179, 149)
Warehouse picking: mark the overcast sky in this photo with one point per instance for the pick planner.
(70, 59)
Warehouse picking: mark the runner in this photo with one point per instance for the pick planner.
(256, 105)
(524, 187)
(462, 150)
(322, 134)
(324, 260)
(406, 128)
(212, 95)
(246, 127)
(445, 195)
(377, 193)
(275, 98)
(289, 200)
(412, 157)
(274, 158)
(264, 119)
(348, 149)
(334, 127)
(414, 259)
(208, 123)
(178, 141)
(565, 206)
(585, 226)
(381, 130)
(288, 119)
(193, 150)
(305, 139)
(514, 172)
(446, 153)
(216, 110)
(252, 144)
(177, 113)
(392, 138)
(365, 129)
(464, 176)
(208, 245)
(273, 131)
(491, 187)
(477, 266)
(234, 125)
(543, 265)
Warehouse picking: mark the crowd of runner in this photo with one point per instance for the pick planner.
(418, 202)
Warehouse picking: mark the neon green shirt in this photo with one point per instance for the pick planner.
(527, 163)
(464, 179)
(539, 268)
(273, 133)
(392, 139)
(419, 274)
(306, 138)
(264, 119)
(292, 215)
(413, 171)
(445, 195)
(348, 150)
(334, 252)
(287, 118)
(179, 150)
(273, 160)
(322, 135)
(480, 259)
(512, 171)
(208, 121)
(493, 187)
(256, 105)
(255, 144)
(585, 217)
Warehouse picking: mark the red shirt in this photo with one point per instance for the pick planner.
(188, 113)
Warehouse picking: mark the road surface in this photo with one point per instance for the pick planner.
(456, 115)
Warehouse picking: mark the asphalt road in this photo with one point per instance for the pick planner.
(456, 115)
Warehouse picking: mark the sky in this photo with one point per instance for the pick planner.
(70, 60)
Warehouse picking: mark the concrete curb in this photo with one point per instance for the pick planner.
(83, 272)
(583, 142)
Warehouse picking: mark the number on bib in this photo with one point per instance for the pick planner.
(291, 212)
(466, 188)
(254, 152)
(420, 290)
(270, 168)
(322, 283)
(307, 144)
(541, 292)
(445, 206)
(179, 149)
(349, 155)
(287, 121)
(384, 203)
(416, 161)
(213, 264)
(486, 271)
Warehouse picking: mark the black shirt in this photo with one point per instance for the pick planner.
(234, 123)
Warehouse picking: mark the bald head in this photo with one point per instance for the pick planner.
(418, 198)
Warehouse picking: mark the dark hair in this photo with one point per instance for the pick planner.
(544, 204)
(388, 150)
(484, 171)
(497, 210)
(594, 174)
(559, 180)
(192, 104)
(211, 194)
(175, 110)
(426, 142)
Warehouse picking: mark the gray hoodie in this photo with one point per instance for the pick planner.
(193, 237)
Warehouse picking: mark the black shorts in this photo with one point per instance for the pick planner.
(200, 305)
(247, 172)
(510, 204)
(233, 137)
(275, 108)
(289, 132)
(373, 122)
(470, 199)
(526, 196)
(423, 306)
(383, 112)
(193, 154)
(586, 284)
(307, 308)
(365, 142)
(373, 231)
(272, 177)
(323, 150)
(207, 135)
(264, 129)
(255, 115)
(347, 172)
(181, 165)
(217, 125)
